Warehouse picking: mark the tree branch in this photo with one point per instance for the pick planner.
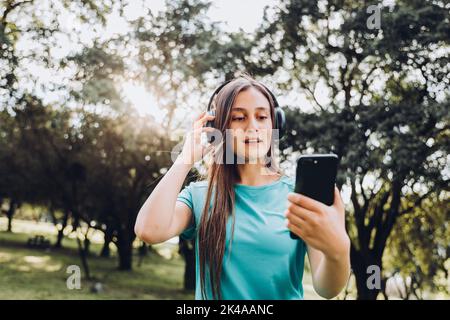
(378, 210)
(384, 231)
(11, 8)
(311, 92)
(365, 83)
(417, 203)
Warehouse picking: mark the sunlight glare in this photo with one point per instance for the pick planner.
(143, 101)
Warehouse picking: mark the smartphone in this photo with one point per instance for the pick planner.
(316, 178)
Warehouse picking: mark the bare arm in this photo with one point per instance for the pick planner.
(155, 221)
(329, 275)
(162, 217)
(322, 228)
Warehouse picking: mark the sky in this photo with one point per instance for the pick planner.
(239, 14)
(235, 14)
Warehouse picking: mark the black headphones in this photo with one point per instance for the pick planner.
(280, 118)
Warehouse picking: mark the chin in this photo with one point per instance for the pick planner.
(254, 159)
(253, 156)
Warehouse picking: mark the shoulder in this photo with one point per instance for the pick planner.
(198, 184)
(197, 188)
(288, 180)
(193, 189)
(193, 194)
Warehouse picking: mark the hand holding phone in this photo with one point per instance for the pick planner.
(316, 178)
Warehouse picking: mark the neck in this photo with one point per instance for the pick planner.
(255, 174)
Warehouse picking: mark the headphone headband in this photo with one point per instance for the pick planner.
(280, 119)
(228, 81)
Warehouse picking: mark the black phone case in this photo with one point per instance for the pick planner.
(316, 178)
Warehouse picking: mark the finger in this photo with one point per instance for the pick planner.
(198, 133)
(338, 203)
(305, 202)
(294, 219)
(298, 231)
(207, 129)
(199, 116)
(202, 121)
(207, 118)
(300, 212)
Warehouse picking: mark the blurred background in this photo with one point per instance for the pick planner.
(95, 95)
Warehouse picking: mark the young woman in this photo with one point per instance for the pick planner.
(243, 247)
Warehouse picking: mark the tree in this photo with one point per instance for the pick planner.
(123, 164)
(419, 251)
(391, 141)
(23, 20)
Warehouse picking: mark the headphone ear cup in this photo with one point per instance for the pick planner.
(210, 123)
(280, 121)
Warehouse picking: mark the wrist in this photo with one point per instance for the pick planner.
(182, 162)
(340, 252)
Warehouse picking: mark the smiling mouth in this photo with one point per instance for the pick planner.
(252, 141)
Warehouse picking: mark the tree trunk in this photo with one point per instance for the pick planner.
(87, 246)
(13, 205)
(83, 257)
(60, 236)
(125, 249)
(106, 252)
(360, 264)
(187, 250)
(9, 229)
(143, 250)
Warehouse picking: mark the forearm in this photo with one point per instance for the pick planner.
(332, 274)
(155, 216)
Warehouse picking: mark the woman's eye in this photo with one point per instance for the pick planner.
(263, 117)
(238, 119)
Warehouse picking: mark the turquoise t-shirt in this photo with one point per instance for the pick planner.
(265, 263)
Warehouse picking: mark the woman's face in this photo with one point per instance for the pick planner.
(251, 125)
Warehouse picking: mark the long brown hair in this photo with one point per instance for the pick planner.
(221, 177)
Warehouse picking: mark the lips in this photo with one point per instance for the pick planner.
(252, 140)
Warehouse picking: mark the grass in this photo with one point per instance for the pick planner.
(28, 273)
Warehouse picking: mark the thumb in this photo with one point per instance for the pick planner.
(338, 203)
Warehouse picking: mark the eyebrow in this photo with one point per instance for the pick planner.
(244, 109)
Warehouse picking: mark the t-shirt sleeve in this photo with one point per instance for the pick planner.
(186, 197)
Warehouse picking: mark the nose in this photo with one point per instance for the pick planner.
(252, 124)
